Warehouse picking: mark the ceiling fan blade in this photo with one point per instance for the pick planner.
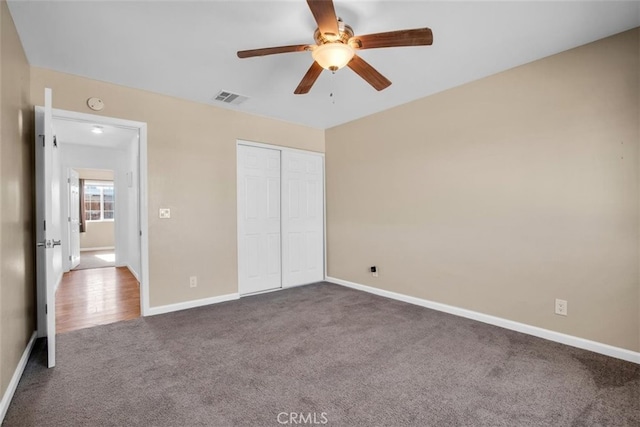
(272, 50)
(325, 15)
(309, 79)
(417, 37)
(370, 74)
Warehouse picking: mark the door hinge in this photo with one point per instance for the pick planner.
(69, 219)
(45, 225)
(55, 142)
(42, 136)
(68, 180)
(140, 233)
(46, 308)
(69, 257)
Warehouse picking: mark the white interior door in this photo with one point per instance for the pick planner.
(49, 252)
(74, 219)
(302, 218)
(258, 219)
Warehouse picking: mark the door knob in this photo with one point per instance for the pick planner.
(48, 243)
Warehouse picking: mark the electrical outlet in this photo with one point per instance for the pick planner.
(193, 281)
(561, 307)
(374, 271)
(164, 213)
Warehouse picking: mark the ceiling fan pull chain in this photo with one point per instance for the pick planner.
(333, 86)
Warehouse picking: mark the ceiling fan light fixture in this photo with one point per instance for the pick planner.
(335, 47)
(333, 56)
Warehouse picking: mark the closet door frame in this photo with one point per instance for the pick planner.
(324, 202)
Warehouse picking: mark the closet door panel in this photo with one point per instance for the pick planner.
(259, 239)
(302, 218)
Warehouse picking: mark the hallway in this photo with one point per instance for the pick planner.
(96, 296)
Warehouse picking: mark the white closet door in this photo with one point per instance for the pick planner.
(258, 219)
(302, 218)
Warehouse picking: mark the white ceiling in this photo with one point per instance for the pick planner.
(80, 133)
(188, 49)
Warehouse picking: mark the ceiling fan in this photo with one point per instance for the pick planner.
(336, 47)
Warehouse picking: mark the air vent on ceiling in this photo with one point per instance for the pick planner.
(230, 97)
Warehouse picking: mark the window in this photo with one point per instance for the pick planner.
(99, 203)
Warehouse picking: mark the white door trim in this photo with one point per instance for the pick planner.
(67, 258)
(143, 205)
(324, 193)
(276, 147)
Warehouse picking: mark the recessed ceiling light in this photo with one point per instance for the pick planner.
(97, 129)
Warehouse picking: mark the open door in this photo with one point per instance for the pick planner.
(48, 252)
(74, 219)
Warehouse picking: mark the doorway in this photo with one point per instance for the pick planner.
(103, 254)
(99, 286)
(92, 215)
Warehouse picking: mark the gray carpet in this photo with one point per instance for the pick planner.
(348, 357)
(96, 259)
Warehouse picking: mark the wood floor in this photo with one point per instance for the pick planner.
(96, 296)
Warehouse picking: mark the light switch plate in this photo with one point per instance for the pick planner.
(165, 213)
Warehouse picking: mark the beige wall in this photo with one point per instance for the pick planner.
(98, 234)
(503, 194)
(17, 288)
(191, 169)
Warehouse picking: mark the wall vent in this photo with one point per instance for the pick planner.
(230, 97)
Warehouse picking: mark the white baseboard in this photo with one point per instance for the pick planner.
(133, 272)
(15, 379)
(191, 304)
(606, 349)
(100, 248)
